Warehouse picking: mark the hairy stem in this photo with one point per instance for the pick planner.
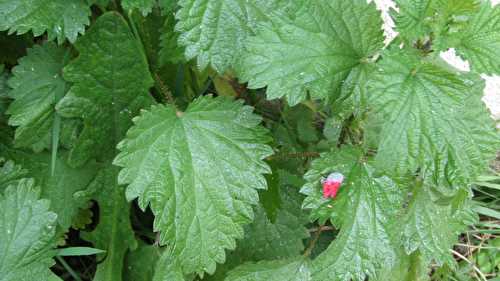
(313, 242)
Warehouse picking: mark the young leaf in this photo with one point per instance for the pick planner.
(200, 171)
(145, 6)
(114, 233)
(111, 81)
(296, 269)
(366, 206)
(27, 230)
(314, 52)
(60, 18)
(434, 119)
(430, 227)
(37, 85)
(479, 41)
(214, 30)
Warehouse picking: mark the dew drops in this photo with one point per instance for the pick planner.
(126, 111)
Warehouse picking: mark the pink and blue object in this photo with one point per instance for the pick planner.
(331, 185)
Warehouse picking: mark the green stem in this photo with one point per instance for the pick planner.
(179, 81)
(307, 154)
(194, 81)
(137, 37)
(56, 130)
(115, 5)
(162, 88)
(309, 249)
(56, 124)
(101, 8)
(312, 106)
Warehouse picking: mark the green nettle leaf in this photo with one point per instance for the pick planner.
(170, 50)
(62, 185)
(457, 8)
(281, 239)
(27, 230)
(341, 161)
(267, 239)
(200, 171)
(431, 228)
(214, 30)
(102, 3)
(418, 19)
(270, 199)
(54, 277)
(168, 6)
(148, 29)
(296, 269)
(408, 268)
(314, 52)
(37, 85)
(111, 81)
(145, 6)
(353, 92)
(413, 18)
(168, 268)
(140, 263)
(85, 139)
(4, 92)
(479, 41)
(363, 210)
(433, 119)
(60, 18)
(114, 233)
(10, 173)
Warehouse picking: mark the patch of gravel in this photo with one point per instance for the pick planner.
(492, 90)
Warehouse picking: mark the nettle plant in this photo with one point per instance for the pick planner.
(240, 139)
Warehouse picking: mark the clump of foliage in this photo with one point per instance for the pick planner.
(191, 139)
